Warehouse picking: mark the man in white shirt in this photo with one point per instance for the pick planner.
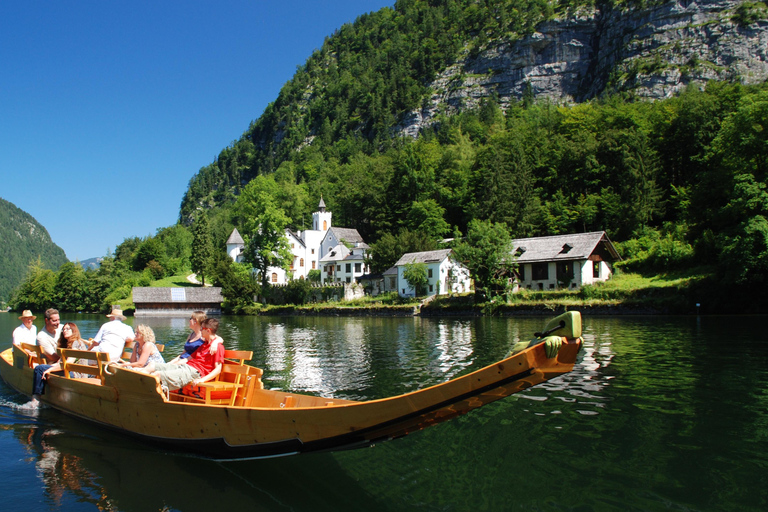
(48, 337)
(27, 331)
(113, 335)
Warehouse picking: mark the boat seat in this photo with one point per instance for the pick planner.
(232, 385)
(97, 370)
(34, 354)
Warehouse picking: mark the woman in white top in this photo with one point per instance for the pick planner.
(144, 350)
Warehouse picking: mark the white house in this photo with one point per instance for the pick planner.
(344, 264)
(312, 245)
(564, 261)
(443, 274)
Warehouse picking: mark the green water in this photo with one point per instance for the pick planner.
(661, 413)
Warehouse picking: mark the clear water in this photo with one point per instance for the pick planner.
(661, 413)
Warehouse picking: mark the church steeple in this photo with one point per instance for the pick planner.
(321, 219)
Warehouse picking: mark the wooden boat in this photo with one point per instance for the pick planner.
(252, 422)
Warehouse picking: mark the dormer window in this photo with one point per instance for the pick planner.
(566, 248)
(519, 252)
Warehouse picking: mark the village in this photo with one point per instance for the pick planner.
(545, 263)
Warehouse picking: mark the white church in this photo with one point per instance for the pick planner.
(339, 253)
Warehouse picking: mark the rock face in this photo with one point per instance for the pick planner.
(654, 53)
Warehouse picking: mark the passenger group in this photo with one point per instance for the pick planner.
(200, 361)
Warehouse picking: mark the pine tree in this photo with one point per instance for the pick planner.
(202, 246)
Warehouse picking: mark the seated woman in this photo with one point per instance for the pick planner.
(69, 338)
(144, 350)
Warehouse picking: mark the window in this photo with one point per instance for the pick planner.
(313, 265)
(539, 271)
(301, 262)
(522, 272)
(313, 251)
(429, 274)
(325, 225)
(348, 267)
(338, 268)
(357, 268)
(274, 277)
(431, 288)
(595, 269)
(349, 280)
(565, 271)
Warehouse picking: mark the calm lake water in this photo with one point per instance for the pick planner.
(661, 413)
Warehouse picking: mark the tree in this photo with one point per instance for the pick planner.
(416, 275)
(202, 246)
(70, 287)
(37, 291)
(238, 286)
(263, 231)
(487, 252)
(427, 217)
(389, 248)
(151, 249)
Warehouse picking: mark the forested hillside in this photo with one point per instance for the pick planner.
(22, 242)
(681, 180)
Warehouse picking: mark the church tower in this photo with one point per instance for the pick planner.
(321, 220)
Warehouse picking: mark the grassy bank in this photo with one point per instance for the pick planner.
(688, 291)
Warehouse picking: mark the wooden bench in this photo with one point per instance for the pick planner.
(96, 371)
(34, 354)
(232, 385)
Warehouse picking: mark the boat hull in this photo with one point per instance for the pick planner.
(133, 403)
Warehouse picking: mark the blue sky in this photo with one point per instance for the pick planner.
(108, 108)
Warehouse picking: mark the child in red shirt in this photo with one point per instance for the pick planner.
(201, 366)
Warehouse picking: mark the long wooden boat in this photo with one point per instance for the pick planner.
(260, 423)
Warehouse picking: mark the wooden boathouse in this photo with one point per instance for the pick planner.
(176, 301)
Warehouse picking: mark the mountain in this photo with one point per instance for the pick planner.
(22, 241)
(91, 263)
(400, 71)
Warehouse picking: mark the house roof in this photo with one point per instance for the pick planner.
(578, 246)
(338, 253)
(391, 271)
(423, 257)
(349, 235)
(296, 237)
(195, 294)
(235, 238)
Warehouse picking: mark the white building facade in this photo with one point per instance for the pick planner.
(564, 261)
(443, 274)
(322, 248)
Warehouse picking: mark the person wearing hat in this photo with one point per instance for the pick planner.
(113, 335)
(27, 331)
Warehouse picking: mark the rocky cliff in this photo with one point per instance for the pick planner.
(652, 52)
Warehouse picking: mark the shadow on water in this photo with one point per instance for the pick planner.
(80, 463)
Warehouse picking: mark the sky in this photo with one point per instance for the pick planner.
(109, 108)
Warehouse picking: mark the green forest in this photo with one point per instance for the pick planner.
(23, 240)
(678, 183)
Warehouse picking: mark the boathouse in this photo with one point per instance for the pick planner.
(176, 301)
(564, 261)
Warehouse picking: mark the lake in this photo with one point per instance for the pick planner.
(660, 413)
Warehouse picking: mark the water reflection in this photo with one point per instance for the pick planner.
(660, 413)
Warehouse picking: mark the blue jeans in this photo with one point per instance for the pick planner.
(38, 384)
